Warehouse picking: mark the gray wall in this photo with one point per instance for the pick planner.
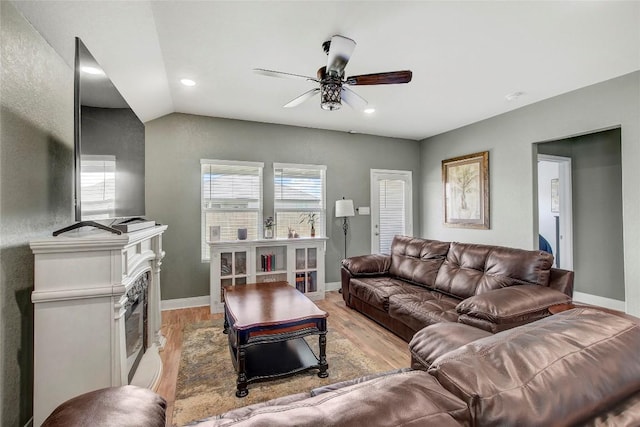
(176, 143)
(509, 138)
(36, 175)
(597, 210)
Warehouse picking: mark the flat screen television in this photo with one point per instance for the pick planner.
(109, 147)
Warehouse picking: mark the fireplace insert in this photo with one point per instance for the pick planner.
(135, 323)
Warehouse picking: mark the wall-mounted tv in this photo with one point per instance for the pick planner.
(109, 146)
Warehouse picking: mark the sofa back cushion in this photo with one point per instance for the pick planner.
(471, 269)
(417, 260)
(560, 370)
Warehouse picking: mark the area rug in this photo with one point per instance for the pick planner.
(206, 382)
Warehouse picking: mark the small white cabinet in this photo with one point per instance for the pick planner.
(300, 262)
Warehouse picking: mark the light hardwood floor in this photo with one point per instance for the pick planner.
(376, 342)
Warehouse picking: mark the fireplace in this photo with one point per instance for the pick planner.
(135, 323)
(92, 292)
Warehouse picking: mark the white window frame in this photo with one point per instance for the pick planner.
(205, 256)
(323, 209)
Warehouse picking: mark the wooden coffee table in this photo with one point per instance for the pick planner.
(266, 324)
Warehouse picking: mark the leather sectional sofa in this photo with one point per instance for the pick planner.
(575, 368)
(578, 367)
(424, 282)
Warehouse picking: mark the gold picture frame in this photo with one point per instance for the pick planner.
(465, 184)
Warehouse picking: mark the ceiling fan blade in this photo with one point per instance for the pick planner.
(340, 51)
(280, 74)
(300, 99)
(392, 77)
(352, 99)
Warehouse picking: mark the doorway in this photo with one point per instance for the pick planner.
(596, 213)
(391, 207)
(555, 206)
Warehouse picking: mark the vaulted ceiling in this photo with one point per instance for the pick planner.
(466, 57)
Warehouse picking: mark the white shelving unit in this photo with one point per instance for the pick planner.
(299, 262)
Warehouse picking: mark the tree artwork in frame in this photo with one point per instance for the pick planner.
(465, 183)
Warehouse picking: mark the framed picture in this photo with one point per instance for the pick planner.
(465, 182)
(555, 195)
(214, 233)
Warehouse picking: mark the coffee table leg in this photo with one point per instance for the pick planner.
(225, 329)
(242, 375)
(323, 356)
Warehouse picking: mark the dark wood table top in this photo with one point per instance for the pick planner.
(266, 304)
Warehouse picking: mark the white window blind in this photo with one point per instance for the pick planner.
(231, 199)
(98, 186)
(392, 211)
(299, 190)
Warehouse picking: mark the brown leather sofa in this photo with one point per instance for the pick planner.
(576, 368)
(424, 282)
(126, 406)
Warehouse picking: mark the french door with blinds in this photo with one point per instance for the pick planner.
(391, 207)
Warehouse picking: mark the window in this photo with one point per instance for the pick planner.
(231, 199)
(299, 190)
(98, 186)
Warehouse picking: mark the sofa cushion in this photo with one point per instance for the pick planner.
(433, 341)
(471, 269)
(412, 398)
(417, 260)
(423, 308)
(623, 414)
(567, 368)
(376, 291)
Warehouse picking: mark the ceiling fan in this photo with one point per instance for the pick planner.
(331, 78)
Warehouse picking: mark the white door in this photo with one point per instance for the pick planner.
(391, 207)
(555, 217)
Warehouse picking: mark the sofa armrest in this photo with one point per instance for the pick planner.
(505, 308)
(359, 266)
(561, 280)
(367, 265)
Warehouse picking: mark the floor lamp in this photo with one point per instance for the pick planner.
(344, 209)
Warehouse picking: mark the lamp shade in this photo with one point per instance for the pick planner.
(344, 208)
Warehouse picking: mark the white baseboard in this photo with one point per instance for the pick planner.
(611, 303)
(174, 304)
(332, 286)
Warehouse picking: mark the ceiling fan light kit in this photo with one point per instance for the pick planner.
(333, 85)
(330, 92)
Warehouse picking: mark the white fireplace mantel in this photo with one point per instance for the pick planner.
(81, 281)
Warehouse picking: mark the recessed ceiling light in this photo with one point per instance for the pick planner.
(513, 96)
(187, 82)
(92, 70)
(370, 110)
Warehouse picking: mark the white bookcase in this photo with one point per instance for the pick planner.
(299, 262)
